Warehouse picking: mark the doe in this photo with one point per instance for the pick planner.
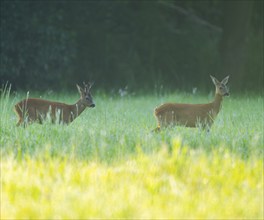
(192, 115)
(37, 110)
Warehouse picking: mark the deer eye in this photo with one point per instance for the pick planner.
(88, 97)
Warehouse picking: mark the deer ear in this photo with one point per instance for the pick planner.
(80, 90)
(225, 80)
(215, 81)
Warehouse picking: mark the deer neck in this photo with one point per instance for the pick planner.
(217, 103)
(77, 108)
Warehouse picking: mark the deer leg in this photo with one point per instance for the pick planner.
(156, 130)
(19, 123)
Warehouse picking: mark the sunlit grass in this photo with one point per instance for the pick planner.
(107, 163)
(179, 184)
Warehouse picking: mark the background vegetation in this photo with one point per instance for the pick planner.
(140, 44)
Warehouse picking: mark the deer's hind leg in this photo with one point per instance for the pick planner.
(22, 122)
(156, 130)
(19, 122)
(19, 113)
(161, 123)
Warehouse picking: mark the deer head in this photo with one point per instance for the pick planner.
(86, 96)
(221, 87)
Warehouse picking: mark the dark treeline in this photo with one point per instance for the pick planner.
(142, 44)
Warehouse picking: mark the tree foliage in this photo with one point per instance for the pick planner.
(53, 44)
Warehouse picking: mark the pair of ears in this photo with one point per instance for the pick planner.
(216, 82)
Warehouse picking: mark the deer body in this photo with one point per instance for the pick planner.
(30, 110)
(192, 115)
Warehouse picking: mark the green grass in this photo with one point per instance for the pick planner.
(107, 163)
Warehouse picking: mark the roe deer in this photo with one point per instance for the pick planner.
(30, 110)
(192, 115)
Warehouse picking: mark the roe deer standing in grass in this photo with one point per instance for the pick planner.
(30, 110)
(192, 115)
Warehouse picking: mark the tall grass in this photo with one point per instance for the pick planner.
(113, 129)
(108, 164)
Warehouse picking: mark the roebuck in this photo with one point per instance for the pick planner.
(192, 115)
(31, 109)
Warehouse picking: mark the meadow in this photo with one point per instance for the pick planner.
(108, 163)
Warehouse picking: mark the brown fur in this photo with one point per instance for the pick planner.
(191, 115)
(31, 110)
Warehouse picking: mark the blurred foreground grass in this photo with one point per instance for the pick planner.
(179, 184)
